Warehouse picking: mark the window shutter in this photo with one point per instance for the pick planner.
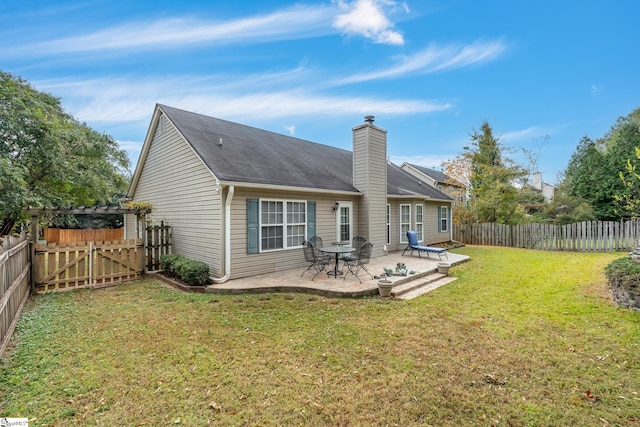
(252, 226)
(439, 218)
(311, 219)
(449, 223)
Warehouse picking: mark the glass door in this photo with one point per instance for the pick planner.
(344, 222)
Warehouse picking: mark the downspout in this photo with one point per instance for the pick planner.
(227, 238)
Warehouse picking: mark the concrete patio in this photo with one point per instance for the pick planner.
(328, 286)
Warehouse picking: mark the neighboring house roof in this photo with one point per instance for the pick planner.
(237, 153)
(437, 176)
(402, 183)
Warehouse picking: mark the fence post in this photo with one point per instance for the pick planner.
(35, 233)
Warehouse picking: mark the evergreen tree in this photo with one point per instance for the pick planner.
(491, 177)
(596, 167)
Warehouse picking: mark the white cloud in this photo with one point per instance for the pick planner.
(518, 135)
(433, 59)
(291, 129)
(367, 18)
(89, 101)
(286, 24)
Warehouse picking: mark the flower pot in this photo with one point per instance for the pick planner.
(443, 267)
(385, 287)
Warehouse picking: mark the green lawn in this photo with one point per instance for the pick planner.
(522, 338)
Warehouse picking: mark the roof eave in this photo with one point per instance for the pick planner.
(239, 184)
(418, 196)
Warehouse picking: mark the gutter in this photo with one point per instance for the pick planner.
(227, 238)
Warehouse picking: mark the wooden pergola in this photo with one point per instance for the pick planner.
(36, 213)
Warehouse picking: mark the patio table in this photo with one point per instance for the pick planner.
(337, 250)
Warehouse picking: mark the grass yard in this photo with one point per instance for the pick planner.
(522, 338)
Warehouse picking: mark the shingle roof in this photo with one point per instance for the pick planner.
(240, 153)
(437, 176)
(402, 183)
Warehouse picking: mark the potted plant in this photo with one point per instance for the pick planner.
(401, 269)
(384, 284)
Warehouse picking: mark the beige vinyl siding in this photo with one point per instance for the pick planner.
(361, 177)
(181, 190)
(243, 265)
(130, 228)
(394, 244)
(431, 233)
(430, 222)
(370, 177)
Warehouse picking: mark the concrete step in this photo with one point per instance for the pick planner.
(416, 288)
(406, 285)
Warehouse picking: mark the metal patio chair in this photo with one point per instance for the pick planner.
(317, 264)
(355, 266)
(358, 242)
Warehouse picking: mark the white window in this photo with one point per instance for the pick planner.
(296, 223)
(388, 224)
(405, 222)
(283, 224)
(420, 222)
(444, 218)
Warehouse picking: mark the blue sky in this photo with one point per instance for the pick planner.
(542, 73)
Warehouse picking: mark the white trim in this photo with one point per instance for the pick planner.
(146, 146)
(403, 235)
(446, 218)
(348, 205)
(420, 233)
(388, 225)
(227, 238)
(284, 223)
(291, 188)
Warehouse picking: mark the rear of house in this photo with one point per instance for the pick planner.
(244, 200)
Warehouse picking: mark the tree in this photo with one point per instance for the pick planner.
(490, 176)
(587, 179)
(565, 208)
(595, 168)
(48, 158)
(631, 180)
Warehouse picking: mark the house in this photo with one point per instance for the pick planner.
(547, 190)
(244, 200)
(440, 180)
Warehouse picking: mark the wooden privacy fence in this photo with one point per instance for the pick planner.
(87, 264)
(14, 283)
(587, 236)
(63, 235)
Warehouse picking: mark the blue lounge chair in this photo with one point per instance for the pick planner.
(414, 246)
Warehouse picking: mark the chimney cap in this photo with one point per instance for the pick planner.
(369, 119)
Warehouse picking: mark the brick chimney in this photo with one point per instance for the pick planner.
(370, 177)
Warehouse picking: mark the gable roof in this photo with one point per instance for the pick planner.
(240, 153)
(236, 153)
(438, 176)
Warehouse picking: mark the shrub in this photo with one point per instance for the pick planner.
(194, 273)
(167, 263)
(624, 273)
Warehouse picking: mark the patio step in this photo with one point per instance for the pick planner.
(421, 286)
